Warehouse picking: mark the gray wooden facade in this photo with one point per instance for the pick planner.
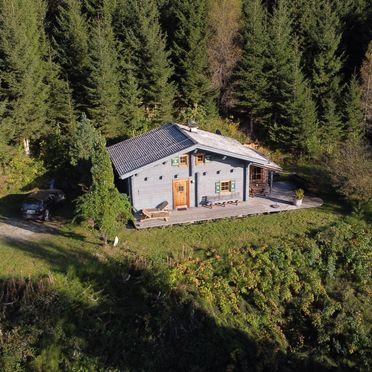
(152, 186)
(149, 169)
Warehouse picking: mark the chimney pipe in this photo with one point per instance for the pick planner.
(193, 126)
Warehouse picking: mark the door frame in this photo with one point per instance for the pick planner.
(174, 192)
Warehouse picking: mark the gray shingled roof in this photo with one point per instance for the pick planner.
(157, 144)
(222, 143)
(148, 148)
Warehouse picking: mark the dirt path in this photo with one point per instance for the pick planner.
(11, 228)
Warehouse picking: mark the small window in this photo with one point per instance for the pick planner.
(184, 160)
(225, 186)
(256, 173)
(181, 188)
(199, 159)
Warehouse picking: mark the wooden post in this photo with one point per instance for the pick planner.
(248, 171)
(271, 181)
(245, 181)
(196, 189)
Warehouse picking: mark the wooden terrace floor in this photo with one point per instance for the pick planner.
(281, 199)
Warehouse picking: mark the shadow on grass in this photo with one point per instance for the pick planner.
(134, 321)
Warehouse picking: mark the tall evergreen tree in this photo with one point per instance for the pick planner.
(61, 109)
(133, 112)
(331, 127)
(189, 53)
(104, 80)
(366, 75)
(251, 81)
(280, 65)
(72, 44)
(302, 115)
(353, 111)
(23, 70)
(147, 44)
(326, 63)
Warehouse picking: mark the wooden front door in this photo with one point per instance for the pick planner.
(181, 197)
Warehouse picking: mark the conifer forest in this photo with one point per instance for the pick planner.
(282, 292)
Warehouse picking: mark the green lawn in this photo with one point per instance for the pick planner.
(74, 244)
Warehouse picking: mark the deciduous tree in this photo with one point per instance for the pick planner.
(351, 171)
(103, 204)
(224, 23)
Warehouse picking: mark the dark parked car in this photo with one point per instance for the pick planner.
(37, 206)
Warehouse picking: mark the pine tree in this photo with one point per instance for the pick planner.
(147, 44)
(134, 120)
(327, 62)
(72, 45)
(366, 75)
(251, 80)
(189, 54)
(331, 127)
(23, 71)
(353, 111)
(61, 111)
(104, 79)
(301, 110)
(280, 75)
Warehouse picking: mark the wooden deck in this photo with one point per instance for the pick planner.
(280, 200)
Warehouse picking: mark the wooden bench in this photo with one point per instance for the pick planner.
(222, 199)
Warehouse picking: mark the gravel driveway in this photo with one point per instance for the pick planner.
(11, 228)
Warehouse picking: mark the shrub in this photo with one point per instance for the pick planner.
(299, 194)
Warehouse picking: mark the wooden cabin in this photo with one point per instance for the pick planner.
(188, 167)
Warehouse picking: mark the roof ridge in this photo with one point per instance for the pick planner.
(141, 135)
(157, 152)
(184, 132)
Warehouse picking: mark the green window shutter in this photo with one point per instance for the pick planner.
(217, 187)
(175, 162)
(232, 186)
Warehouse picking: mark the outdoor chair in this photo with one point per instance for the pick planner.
(158, 213)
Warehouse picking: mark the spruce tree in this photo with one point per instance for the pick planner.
(104, 80)
(72, 45)
(251, 81)
(23, 70)
(353, 111)
(147, 45)
(366, 76)
(325, 37)
(331, 127)
(302, 115)
(280, 65)
(61, 110)
(189, 54)
(134, 120)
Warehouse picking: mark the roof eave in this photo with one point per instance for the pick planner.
(167, 158)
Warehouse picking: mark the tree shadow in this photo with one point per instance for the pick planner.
(138, 321)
